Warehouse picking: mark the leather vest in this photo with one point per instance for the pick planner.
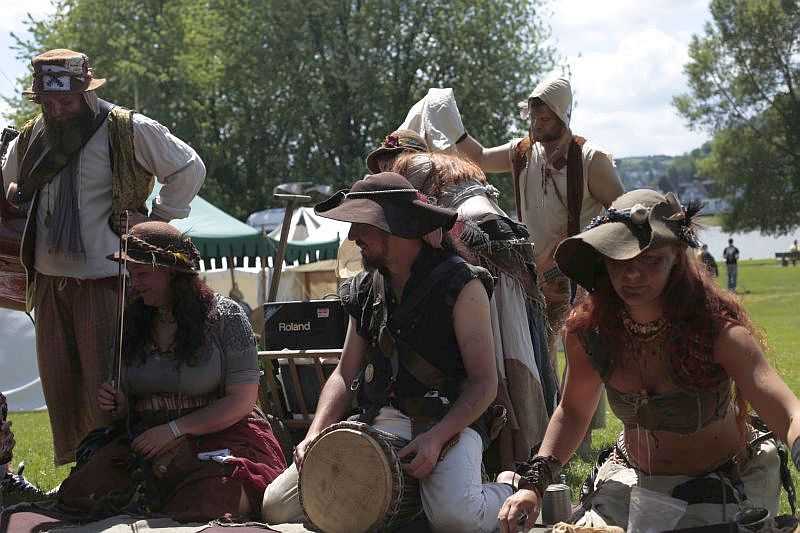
(131, 184)
(413, 360)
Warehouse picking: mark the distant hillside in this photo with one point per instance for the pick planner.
(643, 172)
(679, 174)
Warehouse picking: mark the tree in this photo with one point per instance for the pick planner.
(744, 78)
(270, 92)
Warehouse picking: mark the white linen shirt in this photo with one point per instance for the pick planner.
(543, 212)
(174, 163)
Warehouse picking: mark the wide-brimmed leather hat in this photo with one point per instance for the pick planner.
(62, 71)
(395, 143)
(159, 244)
(388, 202)
(635, 222)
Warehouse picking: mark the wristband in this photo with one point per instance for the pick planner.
(796, 452)
(176, 432)
(463, 136)
(538, 473)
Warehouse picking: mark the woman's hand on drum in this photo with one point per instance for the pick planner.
(424, 450)
(151, 442)
(111, 400)
(520, 508)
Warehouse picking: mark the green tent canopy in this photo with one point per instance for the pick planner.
(217, 234)
(309, 253)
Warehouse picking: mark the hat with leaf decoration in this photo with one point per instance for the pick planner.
(635, 222)
(159, 244)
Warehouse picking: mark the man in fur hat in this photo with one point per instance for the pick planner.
(81, 171)
(419, 351)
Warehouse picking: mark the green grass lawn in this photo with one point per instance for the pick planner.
(711, 220)
(770, 292)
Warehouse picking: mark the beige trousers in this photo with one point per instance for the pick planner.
(610, 503)
(453, 496)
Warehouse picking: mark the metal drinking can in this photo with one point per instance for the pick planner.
(556, 504)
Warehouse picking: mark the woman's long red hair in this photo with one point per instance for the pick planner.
(692, 299)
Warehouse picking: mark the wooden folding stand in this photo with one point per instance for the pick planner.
(299, 398)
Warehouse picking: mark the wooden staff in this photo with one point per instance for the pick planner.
(122, 264)
(292, 201)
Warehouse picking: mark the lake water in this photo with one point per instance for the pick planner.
(751, 244)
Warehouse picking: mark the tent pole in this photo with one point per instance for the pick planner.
(231, 268)
(292, 200)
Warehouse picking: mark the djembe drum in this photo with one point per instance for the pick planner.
(352, 481)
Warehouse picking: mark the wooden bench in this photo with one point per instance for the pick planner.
(785, 257)
(271, 395)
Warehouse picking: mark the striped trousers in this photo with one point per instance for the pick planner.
(75, 329)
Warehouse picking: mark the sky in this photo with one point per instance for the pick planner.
(626, 56)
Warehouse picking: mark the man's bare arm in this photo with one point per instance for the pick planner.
(336, 395)
(491, 160)
(604, 183)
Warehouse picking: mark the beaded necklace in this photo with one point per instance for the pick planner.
(643, 332)
(644, 343)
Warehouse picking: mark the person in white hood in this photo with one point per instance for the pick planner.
(556, 195)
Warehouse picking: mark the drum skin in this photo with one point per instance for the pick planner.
(352, 481)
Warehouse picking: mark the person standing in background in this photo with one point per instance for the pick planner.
(731, 255)
(709, 261)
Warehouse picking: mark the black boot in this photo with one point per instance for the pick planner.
(14, 489)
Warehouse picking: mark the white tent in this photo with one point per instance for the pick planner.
(19, 378)
(309, 228)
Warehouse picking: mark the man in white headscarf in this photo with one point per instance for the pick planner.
(561, 181)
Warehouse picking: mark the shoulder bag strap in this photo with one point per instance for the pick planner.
(519, 160)
(574, 188)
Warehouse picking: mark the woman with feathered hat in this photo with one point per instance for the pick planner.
(682, 363)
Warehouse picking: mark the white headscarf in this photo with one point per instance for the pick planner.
(556, 92)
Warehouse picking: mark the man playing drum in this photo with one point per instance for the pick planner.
(74, 170)
(419, 352)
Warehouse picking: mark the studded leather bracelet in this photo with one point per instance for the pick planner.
(538, 473)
